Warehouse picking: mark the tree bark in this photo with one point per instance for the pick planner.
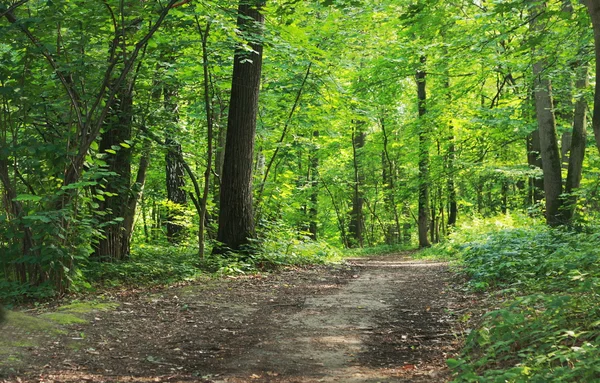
(137, 189)
(314, 189)
(578, 144)
(547, 126)
(236, 215)
(356, 225)
(113, 244)
(389, 179)
(451, 159)
(593, 7)
(423, 217)
(209, 137)
(174, 170)
(536, 184)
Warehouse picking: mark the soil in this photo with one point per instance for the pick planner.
(373, 319)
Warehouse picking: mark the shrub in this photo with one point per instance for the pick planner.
(547, 329)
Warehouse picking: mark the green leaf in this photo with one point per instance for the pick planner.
(28, 197)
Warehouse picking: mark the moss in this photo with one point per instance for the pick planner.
(28, 323)
(26, 342)
(88, 307)
(63, 318)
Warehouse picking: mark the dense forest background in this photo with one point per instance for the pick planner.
(378, 123)
(146, 142)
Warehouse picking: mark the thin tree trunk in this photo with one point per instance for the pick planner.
(283, 135)
(314, 189)
(174, 170)
(451, 159)
(340, 217)
(578, 143)
(137, 189)
(357, 220)
(423, 217)
(593, 7)
(389, 179)
(547, 127)
(209, 124)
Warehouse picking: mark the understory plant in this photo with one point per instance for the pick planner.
(278, 245)
(547, 326)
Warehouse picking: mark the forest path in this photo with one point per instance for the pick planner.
(375, 319)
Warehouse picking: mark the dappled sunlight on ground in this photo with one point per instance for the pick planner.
(377, 319)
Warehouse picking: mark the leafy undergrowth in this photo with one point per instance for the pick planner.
(379, 250)
(163, 265)
(546, 283)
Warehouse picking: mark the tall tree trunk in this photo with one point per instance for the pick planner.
(219, 157)
(451, 159)
(314, 189)
(137, 189)
(236, 217)
(340, 217)
(210, 133)
(389, 179)
(423, 217)
(578, 143)
(113, 244)
(357, 220)
(547, 127)
(593, 7)
(174, 169)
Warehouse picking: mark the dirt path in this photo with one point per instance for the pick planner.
(377, 319)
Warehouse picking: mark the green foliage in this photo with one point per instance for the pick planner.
(148, 265)
(378, 250)
(547, 328)
(279, 246)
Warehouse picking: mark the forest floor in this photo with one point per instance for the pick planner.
(372, 319)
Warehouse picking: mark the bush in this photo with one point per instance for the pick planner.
(548, 328)
(278, 245)
(147, 265)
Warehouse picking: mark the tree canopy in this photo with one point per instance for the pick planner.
(377, 122)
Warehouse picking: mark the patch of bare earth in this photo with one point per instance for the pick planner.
(376, 319)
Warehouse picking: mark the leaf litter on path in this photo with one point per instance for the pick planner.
(374, 319)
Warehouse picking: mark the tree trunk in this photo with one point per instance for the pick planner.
(174, 170)
(547, 127)
(423, 217)
(314, 189)
(389, 180)
(452, 205)
(593, 7)
(356, 225)
(209, 137)
(578, 143)
(566, 140)
(536, 184)
(113, 244)
(236, 217)
(137, 189)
